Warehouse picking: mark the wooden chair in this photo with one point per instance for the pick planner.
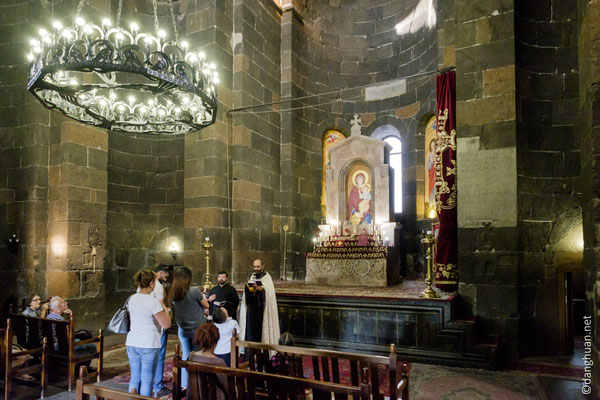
(326, 365)
(85, 389)
(242, 384)
(62, 345)
(13, 372)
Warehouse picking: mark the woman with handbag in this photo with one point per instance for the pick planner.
(146, 316)
(189, 304)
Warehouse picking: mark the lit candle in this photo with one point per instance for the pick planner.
(314, 244)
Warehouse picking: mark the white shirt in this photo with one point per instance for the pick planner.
(226, 332)
(158, 292)
(145, 331)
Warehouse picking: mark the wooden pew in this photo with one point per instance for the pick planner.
(61, 345)
(85, 389)
(8, 357)
(326, 365)
(242, 384)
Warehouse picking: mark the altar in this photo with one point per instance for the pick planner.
(351, 245)
(348, 260)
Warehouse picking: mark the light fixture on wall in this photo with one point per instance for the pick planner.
(58, 246)
(13, 243)
(174, 250)
(123, 79)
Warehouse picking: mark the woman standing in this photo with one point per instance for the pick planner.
(147, 316)
(189, 304)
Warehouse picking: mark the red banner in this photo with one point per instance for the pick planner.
(446, 258)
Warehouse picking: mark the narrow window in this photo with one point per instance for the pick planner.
(396, 164)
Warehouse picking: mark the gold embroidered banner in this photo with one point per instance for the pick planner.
(446, 267)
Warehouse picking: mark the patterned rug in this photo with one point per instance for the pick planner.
(123, 379)
(569, 372)
(433, 382)
(427, 382)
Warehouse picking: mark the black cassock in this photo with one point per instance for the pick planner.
(227, 293)
(255, 306)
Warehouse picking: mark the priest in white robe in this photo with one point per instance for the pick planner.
(259, 320)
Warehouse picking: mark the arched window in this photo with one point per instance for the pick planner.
(396, 164)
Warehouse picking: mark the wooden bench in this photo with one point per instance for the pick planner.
(85, 389)
(61, 344)
(245, 384)
(326, 365)
(13, 372)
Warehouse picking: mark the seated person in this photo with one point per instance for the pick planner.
(286, 339)
(60, 311)
(206, 338)
(226, 325)
(35, 306)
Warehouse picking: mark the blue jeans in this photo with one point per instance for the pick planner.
(186, 348)
(160, 365)
(142, 362)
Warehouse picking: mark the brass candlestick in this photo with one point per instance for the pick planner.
(286, 228)
(207, 246)
(429, 292)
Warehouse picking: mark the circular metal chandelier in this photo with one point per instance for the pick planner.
(123, 79)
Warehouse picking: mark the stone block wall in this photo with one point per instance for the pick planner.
(77, 200)
(518, 163)
(588, 129)
(548, 166)
(209, 25)
(145, 192)
(335, 45)
(255, 142)
(487, 164)
(24, 144)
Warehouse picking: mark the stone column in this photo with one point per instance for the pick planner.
(487, 164)
(255, 140)
(291, 145)
(206, 192)
(77, 219)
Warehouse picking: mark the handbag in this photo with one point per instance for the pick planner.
(119, 323)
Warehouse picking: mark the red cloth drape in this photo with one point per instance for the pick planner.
(446, 259)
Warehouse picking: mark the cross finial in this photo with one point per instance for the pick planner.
(356, 125)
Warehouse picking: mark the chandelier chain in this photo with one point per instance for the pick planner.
(155, 6)
(80, 7)
(119, 11)
(173, 20)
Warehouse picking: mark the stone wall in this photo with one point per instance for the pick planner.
(519, 216)
(339, 46)
(487, 164)
(145, 192)
(255, 141)
(24, 150)
(588, 128)
(209, 25)
(550, 231)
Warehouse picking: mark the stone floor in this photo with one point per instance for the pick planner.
(428, 382)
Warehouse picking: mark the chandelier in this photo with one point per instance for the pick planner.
(123, 79)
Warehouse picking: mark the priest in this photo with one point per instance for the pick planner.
(259, 321)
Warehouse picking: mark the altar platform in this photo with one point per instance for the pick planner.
(367, 320)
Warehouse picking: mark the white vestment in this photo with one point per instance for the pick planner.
(270, 327)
